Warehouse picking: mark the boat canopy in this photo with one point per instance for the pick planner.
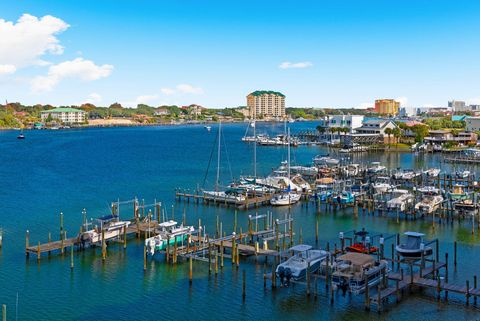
(168, 224)
(107, 218)
(300, 248)
(414, 234)
(356, 258)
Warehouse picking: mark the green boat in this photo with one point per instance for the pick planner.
(169, 234)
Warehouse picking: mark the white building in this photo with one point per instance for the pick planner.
(458, 105)
(472, 124)
(65, 115)
(345, 121)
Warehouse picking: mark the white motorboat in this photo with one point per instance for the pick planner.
(432, 172)
(325, 160)
(414, 247)
(429, 190)
(429, 204)
(169, 234)
(111, 226)
(296, 266)
(463, 174)
(225, 196)
(382, 185)
(304, 170)
(407, 174)
(376, 168)
(400, 199)
(286, 198)
(351, 169)
(353, 271)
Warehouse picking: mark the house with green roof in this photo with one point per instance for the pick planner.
(64, 115)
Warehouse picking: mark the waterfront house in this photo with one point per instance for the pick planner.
(440, 137)
(372, 131)
(64, 115)
(331, 122)
(161, 112)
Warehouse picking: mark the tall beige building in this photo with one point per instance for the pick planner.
(266, 104)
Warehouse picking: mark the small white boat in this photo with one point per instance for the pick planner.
(376, 168)
(382, 185)
(287, 198)
(351, 169)
(111, 226)
(414, 247)
(169, 234)
(429, 190)
(222, 196)
(325, 160)
(432, 172)
(400, 199)
(429, 204)
(353, 271)
(463, 174)
(208, 128)
(296, 266)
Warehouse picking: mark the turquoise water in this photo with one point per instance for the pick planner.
(66, 171)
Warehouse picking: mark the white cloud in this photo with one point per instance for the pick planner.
(298, 65)
(167, 91)
(93, 98)
(182, 89)
(7, 69)
(24, 42)
(403, 101)
(79, 68)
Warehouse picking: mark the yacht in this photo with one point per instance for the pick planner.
(353, 271)
(400, 199)
(325, 160)
(429, 203)
(414, 246)
(466, 206)
(296, 266)
(432, 172)
(351, 169)
(111, 226)
(224, 196)
(287, 198)
(168, 234)
(382, 185)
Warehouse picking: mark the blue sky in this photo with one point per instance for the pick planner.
(338, 53)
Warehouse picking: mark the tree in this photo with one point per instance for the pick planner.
(397, 133)
(420, 132)
(321, 130)
(388, 132)
(116, 106)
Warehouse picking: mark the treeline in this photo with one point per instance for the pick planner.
(315, 113)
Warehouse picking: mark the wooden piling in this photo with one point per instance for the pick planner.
(27, 238)
(367, 294)
(104, 246)
(308, 278)
(124, 237)
(38, 252)
(316, 231)
(190, 270)
(4, 312)
(467, 294)
(446, 275)
(455, 255)
(475, 287)
(221, 254)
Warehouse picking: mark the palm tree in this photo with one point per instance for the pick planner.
(397, 133)
(321, 130)
(388, 132)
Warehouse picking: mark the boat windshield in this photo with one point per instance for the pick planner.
(413, 242)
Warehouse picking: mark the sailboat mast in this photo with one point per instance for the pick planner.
(288, 159)
(217, 182)
(254, 151)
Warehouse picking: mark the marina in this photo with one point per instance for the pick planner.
(243, 239)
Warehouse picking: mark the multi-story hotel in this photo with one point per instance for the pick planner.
(387, 106)
(65, 115)
(266, 104)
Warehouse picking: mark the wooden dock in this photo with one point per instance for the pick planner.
(249, 202)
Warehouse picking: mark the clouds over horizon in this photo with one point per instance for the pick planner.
(295, 65)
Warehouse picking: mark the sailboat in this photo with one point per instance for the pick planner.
(230, 195)
(288, 197)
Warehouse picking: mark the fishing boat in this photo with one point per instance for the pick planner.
(110, 227)
(466, 206)
(382, 185)
(457, 194)
(323, 192)
(351, 169)
(429, 190)
(345, 197)
(361, 243)
(286, 198)
(429, 203)
(21, 135)
(353, 271)
(169, 234)
(376, 168)
(400, 199)
(325, 160)
(304, 257)
(432, 172)
(463, 174)
(414, 246)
